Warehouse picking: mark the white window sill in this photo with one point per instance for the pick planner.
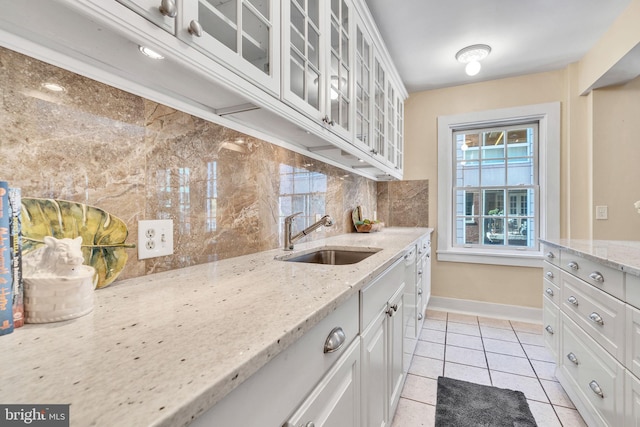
(511, 258)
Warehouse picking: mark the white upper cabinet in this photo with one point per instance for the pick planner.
(379, 147)
(241, 33)
(161, 12)
(363, 92)
(318, 51)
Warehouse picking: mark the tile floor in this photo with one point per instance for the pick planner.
(496, 352)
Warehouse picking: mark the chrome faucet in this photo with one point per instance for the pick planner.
(289, 240)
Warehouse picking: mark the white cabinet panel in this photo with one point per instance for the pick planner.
(596, 377)
(335, 402)
(161, 12)
(632, 360)
(242, 34)
(632, 400)
(374, 362)
(550, 316)
(551, 254)
(598, 275)
(596, 312)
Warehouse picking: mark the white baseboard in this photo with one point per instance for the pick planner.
(486, 309)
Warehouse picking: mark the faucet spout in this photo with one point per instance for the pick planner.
(290, 239)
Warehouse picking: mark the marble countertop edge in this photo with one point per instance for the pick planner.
(623, 255)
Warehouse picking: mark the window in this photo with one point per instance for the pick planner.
(494, 165)
(498, 184)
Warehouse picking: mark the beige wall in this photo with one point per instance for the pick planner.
(488, 283)
(599, 166)
(616, 160)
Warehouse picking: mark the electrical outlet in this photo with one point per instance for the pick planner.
(155, 238)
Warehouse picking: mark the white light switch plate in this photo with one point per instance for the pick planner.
(155, 238)
(602, 212)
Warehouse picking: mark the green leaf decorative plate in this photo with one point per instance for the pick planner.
(103, 234)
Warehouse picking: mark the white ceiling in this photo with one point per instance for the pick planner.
(526, 37)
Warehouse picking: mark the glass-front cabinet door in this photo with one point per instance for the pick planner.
(399, 133)
(340, 73)
(379, 105)
(304, 56)
(161, 12)
(317, 49)
(390, 116)
(363, 92)
(242, 34)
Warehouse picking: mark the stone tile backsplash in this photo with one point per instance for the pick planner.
(226, 192)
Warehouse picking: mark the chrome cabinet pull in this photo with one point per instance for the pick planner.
(419, 291)
(335, 340)
(572, 300)
(420, 272)
(420, 316)
(549, 275)
(549, 329)
(550, 255)
(597, 276)
(549, 292)
(572, 357)
(573, 265)
(195, 28)
(595, 317)
(595, 387)
(309, 424)
(168, 8)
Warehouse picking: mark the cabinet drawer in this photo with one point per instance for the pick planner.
(375, 295)
(607, 279)
(601, 315)
(551, 291)
(551, 254)
(552, 273)
(632, 290)
(550, 313)
(595, 376)
(632, 345)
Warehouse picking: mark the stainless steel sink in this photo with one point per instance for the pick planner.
(332, 256)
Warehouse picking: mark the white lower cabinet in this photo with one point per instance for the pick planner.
(596, 379)
(382, 308)
(594, 329)
(335, 402)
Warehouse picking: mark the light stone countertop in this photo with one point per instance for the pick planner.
(161, 349)
(621, 255)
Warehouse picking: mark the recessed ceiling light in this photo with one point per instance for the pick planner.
(150, 52)
(53, 87)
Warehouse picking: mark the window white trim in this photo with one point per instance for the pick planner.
(548, 117)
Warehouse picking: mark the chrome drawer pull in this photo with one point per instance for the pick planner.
(419, 291)
(420, 316)
(572, 357)
(549, 329)
(572, 300)
(595, 387)
(549, 292)
(573, 265)
(420, 272)
(597, 276)
(550, 255)
(595, 317)
(335, 340)
(549, 275)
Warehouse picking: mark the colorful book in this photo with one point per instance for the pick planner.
(15, 221)
(6, 281)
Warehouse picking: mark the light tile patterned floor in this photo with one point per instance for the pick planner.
(496, 352)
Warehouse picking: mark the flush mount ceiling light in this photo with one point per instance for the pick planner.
(150, 52)
(472, 55)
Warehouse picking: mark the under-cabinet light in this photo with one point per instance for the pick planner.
(150, 52)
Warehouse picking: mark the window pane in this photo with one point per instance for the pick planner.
(467, 231)
(493, 145)
(493, 202)
(520, 171)
(467, 174)
(493, 173)
(493, 231)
